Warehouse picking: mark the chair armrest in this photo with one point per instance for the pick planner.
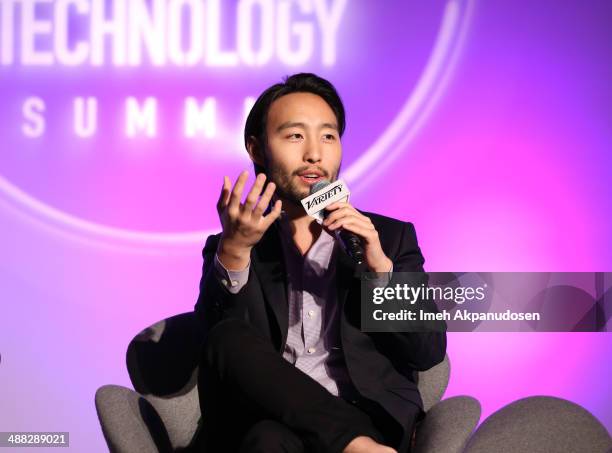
(539, 424)
(448, 425)
(130, 423)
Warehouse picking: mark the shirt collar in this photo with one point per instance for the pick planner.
(324, 243)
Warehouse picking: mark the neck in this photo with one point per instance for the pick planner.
(304, 229)
(297, 217)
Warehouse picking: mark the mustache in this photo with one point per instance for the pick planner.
(301, 169)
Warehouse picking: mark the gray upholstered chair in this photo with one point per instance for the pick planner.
(163, 414)
(541, 424)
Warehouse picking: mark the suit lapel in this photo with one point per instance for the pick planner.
(269, 262)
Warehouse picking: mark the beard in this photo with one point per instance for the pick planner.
(287, 185)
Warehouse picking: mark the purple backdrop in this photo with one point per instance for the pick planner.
(486, 124)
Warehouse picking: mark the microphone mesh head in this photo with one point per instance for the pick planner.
(319, 185)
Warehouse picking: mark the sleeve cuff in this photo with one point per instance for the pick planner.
(233, 281)
(381, 279)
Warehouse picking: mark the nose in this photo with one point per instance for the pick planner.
(312, 152)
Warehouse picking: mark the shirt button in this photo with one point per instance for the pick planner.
(234, 282)
(224, 281)
(311, 350)
(311, 313)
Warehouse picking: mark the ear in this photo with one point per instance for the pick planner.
(255, 150)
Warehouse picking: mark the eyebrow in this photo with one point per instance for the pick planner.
(289, 124)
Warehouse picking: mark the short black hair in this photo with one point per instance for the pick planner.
(303, 82)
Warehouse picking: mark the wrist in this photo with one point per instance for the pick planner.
(234, 257)
(384, 265)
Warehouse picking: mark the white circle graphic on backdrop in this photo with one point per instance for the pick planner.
(391, 143)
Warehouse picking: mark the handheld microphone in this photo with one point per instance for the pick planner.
(349, 240)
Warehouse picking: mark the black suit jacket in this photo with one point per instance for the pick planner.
(380, 364)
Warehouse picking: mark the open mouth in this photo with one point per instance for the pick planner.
(310, 179)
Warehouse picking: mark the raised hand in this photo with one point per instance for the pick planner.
(244, 223)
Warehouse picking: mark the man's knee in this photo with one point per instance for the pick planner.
(227, 338)
(225, 329)
(224, 334)
(269, 436)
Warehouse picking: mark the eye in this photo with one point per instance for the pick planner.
(296, 135)
(330, 137)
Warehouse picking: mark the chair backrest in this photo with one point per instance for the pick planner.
(162, 361)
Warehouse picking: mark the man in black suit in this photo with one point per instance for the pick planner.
(285, 366)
